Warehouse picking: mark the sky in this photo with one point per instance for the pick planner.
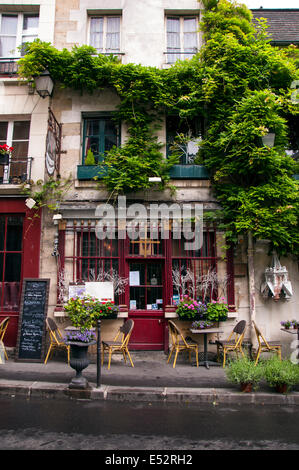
(271, 3)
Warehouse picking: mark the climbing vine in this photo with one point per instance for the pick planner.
(238, 85)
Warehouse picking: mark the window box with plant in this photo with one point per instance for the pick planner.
(190, 309)
(217, 310)
(5, 154)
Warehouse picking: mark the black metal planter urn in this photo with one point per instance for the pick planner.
(79, 360)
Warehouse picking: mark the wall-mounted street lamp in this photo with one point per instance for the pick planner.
(44, 84)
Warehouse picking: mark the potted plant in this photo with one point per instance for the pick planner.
(286, 324)
(83, 313)
(79, 341)
(190, 309)
(295, 324)
(244, 373)
(281, 375)
(5, 154)
(217, 310)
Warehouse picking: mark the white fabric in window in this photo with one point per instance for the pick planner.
(113, 34)
(96, 33)
(8, 35)
(173, 39)
(190, 36)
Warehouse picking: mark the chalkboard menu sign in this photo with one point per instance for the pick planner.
(33, 311)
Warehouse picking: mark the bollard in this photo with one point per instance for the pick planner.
(99, 354)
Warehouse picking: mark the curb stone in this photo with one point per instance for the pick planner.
(149, 394)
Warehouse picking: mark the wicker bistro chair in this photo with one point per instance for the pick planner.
(266, 346)
(3, 328)
(119, 346)
(234, 341)
(179, 343)
(56, 339)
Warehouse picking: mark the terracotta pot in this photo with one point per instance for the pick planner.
(246, 387)
(281, 388)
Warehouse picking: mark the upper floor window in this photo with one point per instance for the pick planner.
(100, 134)
(105, 34)
(183, 136)
(15, 30)
(15, 134)
(182, 37)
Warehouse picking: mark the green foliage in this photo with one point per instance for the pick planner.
(89, 159)
(278, 372)
(48, 193)
(243, 371)
(217, 311)
(83, 313)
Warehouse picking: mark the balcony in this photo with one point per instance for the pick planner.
(9, 66)
(16, 172)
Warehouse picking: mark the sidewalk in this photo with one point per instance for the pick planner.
(152, 379)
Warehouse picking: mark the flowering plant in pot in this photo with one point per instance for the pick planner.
(286, 324)
(244, 373)
(281, 374)
(201, 324)
(217, 310)
(5, 153)
(295, 324)
(190, 309)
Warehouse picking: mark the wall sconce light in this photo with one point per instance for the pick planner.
(56, 218)
(44, 84)
(154, 179)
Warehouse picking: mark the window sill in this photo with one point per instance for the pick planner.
(88, 172)
(198, 172)
(189, 172)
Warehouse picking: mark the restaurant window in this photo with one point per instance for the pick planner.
(100, 134)
(15, 134)
(86, 258)
(190, 268)
(11, 251)
(104, 34)
(15, 30)
(182, 37)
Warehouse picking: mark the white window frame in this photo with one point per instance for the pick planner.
(9, 142)
(20, 31)
(181, 54)
(105, 17)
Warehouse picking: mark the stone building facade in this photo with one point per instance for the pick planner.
(153, 33)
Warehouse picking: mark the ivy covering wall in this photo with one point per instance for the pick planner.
(238, 85)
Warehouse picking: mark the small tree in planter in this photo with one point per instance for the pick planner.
(281, 375)
(244, 373)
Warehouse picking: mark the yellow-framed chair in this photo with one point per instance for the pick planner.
(56, 339)
(264, 345)
(3, 328)
(119, 346)
(179, 343)
(233, 342)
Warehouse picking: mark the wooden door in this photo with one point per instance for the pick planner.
(146, 304)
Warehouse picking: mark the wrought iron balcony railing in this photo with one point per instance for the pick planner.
(9, 66)
(16, 171)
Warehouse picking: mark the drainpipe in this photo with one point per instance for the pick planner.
(251, 286)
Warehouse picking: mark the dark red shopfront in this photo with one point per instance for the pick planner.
(148, 265)
(19, 258)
